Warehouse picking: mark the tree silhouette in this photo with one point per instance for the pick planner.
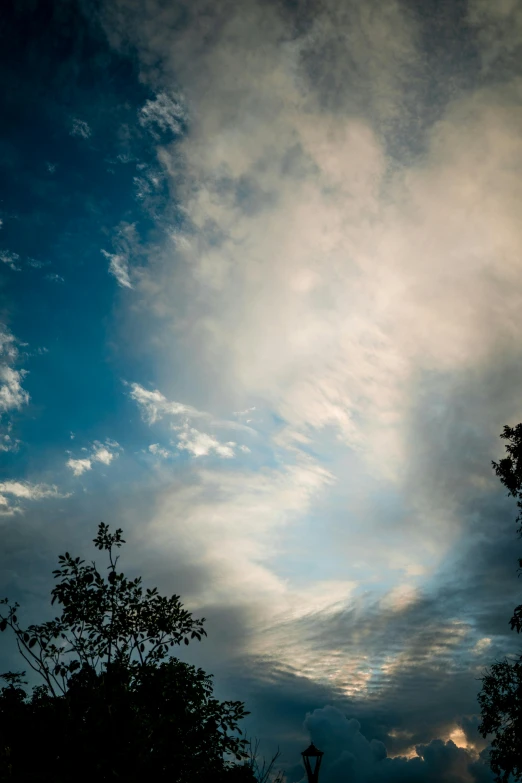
(501, 696)
(115, 703)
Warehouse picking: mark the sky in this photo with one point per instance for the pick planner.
(260, 306)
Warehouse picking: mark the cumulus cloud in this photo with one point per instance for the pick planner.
(200, 444)
(349, 755)
(79, 466)
(104, 452)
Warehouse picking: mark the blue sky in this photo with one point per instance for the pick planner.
(260, 306)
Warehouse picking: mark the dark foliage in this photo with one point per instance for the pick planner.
(115, 703)
(501, 696)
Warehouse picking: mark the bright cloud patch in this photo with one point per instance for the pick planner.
(119, 268)
(126, 245)
(100, 452)
(163, 112)
(24, 490)
(12, 394)
(200, 444)
(79, 466)
(154, 405)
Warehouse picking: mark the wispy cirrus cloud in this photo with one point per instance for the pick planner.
(125, 241)
(119, 268)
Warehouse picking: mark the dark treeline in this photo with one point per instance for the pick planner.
(501, 696)
(114, 703)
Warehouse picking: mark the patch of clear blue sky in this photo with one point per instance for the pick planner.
(61, 197)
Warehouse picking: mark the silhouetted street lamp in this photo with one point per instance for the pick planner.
(312, 760)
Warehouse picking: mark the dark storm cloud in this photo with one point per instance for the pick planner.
(349, 755)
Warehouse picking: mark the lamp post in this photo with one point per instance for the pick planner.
(312, 758)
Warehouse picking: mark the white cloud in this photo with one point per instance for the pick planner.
(159, 451)
(11, 259)
(164, 112)
(126, 244)
(336, 280)
(154, 405)
(105, 452)
(12, 395)
(28, 491)
(119, 268)
(200, 444)
(55, 278)
(99, 452)
(24, 490)
(79, 466)
(80, 128)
